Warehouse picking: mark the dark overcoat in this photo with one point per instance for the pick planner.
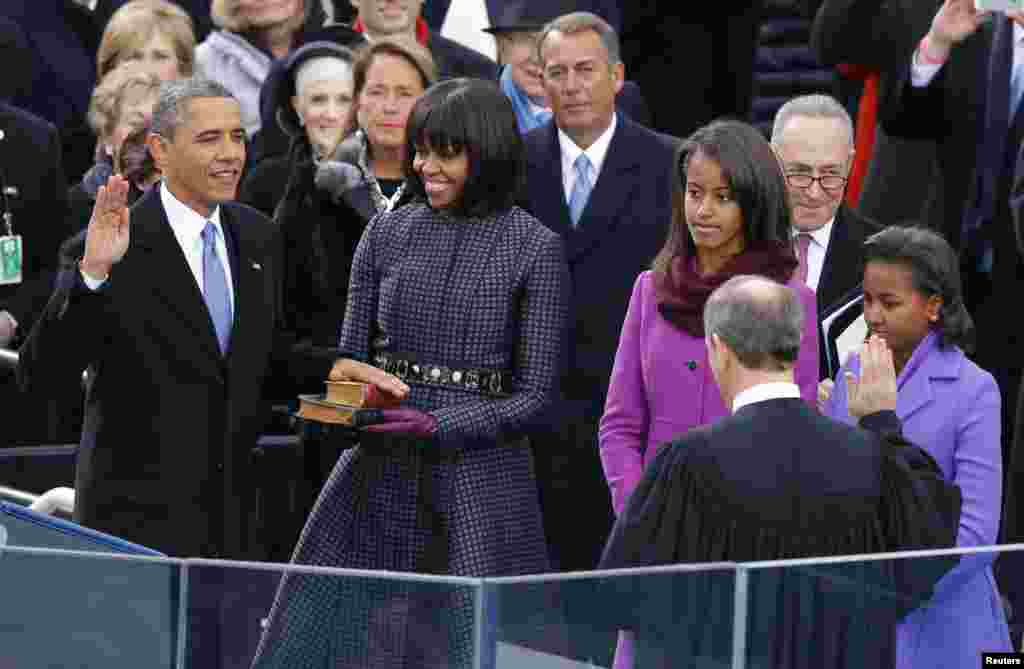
(624, 224)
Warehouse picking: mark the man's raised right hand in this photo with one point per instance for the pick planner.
(106, 240)
(953, 23)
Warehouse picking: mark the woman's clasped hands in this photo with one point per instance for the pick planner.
(875, 389)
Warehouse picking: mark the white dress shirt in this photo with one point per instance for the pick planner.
(921, 74)
(187, 226)
(595, 153)
(816, 252)
(764, 392)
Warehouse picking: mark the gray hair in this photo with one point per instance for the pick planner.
(171, 105)
(814, 106)
(578, 22)
(760, 320)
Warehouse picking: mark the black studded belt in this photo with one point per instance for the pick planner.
(487, 381)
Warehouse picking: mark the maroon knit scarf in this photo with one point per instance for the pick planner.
(682, 293)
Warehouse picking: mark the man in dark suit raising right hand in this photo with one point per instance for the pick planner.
(173, 307)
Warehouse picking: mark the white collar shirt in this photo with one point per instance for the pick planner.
(187, 226)
(596, 153)
(763, 392)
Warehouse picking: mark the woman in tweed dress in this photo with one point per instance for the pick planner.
(457, 303)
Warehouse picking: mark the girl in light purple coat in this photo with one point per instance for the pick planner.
(730, 216)
(949, 407)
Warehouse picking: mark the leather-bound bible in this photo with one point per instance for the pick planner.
(315, 408)
(344, 402)
(360, 395)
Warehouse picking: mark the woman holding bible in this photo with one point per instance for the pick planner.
(457, 304)
(949, 407)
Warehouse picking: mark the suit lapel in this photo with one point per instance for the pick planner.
(172, 282)
(840, 261)
(549, 195)
(917, 392)
(611, 193)
(997, 119)
(248, 281)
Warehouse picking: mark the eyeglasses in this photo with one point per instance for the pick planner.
(827, 181)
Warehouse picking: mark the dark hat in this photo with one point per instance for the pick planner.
(335, 32)
(529, 15)
(280, 83)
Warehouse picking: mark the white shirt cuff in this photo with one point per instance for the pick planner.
(921, 74)
(91, 283)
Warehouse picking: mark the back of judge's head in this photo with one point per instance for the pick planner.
(758, 320)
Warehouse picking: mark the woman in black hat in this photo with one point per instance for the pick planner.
(319, 234)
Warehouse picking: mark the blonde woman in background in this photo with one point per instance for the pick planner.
(156, 33)
(122, 102)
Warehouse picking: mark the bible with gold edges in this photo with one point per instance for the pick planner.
(343, 403)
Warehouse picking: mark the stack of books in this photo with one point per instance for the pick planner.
(343, 402)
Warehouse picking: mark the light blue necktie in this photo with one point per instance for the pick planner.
(1016, 77)
(581, 189)
(215, 288)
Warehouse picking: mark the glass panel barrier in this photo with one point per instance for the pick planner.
(676, 616)
(87, 609)
(318, 617)
(915, 609)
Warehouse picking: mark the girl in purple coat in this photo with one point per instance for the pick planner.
(730, 216)
(949, 407)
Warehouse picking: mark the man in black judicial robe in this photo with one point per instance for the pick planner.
(777, 480)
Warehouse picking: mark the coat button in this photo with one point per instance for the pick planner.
(220, 466)
(692, 365)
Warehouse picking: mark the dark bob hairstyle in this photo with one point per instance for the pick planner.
(753, 173)
(935, 270)
(474, 116)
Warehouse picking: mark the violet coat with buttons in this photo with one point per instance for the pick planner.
(950, 407)
(661, 386)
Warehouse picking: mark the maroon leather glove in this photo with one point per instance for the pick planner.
(401, 421)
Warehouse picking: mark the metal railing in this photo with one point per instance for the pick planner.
(19, 497)
(8, 359)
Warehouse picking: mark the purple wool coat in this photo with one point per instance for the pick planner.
(661, 386)
(950, 407)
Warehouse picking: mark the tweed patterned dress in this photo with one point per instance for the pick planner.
(487, 293)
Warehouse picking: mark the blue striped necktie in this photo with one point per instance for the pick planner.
(216, 289)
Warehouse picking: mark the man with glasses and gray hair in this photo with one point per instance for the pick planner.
(813, 139)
